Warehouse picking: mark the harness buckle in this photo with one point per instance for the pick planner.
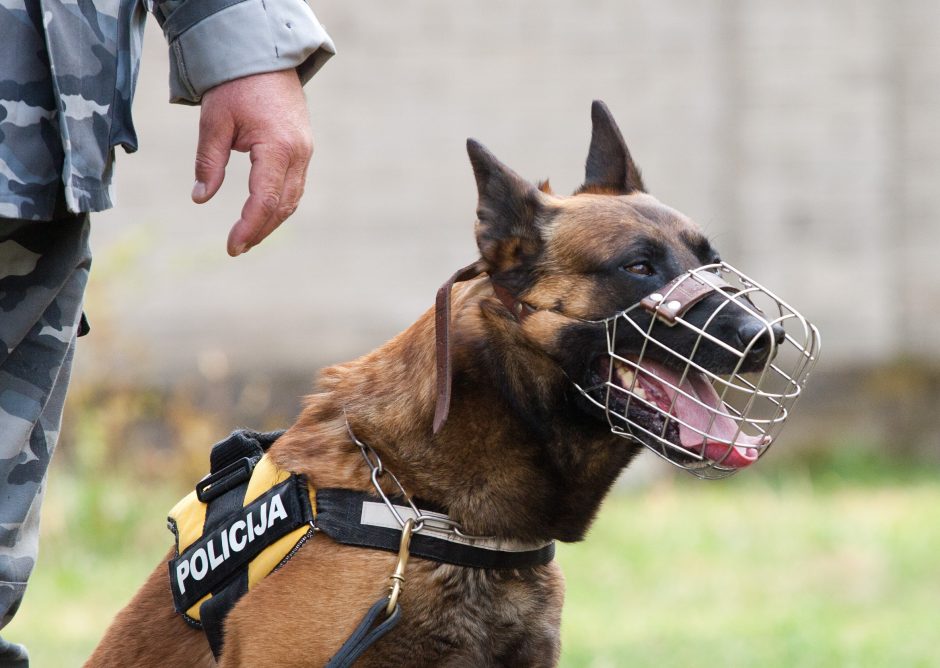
(398, 576)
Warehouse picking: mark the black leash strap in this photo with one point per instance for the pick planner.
(369, 631)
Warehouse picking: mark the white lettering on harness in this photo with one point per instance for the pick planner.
(277, 511)
(199, 564)
(214, 560)
(231, 540)
(237, 545)
(182, 572)
(264, 520)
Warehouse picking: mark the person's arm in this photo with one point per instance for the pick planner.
(245, 61)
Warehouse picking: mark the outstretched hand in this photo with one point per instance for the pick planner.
(266, 116)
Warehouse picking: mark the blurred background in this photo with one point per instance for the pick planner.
(802, 136)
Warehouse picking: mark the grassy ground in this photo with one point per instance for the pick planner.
(792, 570)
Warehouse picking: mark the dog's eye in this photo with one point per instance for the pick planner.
(639, 268)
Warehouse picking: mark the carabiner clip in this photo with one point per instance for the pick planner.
(398, 577)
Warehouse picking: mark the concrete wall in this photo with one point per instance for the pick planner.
(803, 136)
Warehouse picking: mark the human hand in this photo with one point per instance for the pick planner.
(265, 115)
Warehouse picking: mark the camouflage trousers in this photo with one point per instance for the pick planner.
(43, 270)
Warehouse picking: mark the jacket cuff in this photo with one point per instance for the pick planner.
(214, 41)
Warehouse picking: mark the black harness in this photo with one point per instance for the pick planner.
(234, 534)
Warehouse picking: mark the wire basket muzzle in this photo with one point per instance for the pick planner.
(708, 396)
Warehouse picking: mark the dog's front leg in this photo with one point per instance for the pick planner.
(148, 633)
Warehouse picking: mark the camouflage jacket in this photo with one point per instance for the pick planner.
(68, 70)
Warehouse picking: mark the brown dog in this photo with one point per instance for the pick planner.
(523, 454)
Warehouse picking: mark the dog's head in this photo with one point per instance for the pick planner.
(632, 302)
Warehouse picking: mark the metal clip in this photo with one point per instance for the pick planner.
(398, 577)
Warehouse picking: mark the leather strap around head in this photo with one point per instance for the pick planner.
(682, 293)
(442, 341)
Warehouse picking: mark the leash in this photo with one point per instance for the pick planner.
(373, 626)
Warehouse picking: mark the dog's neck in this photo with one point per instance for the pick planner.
(515, 457)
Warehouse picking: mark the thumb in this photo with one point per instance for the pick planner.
(212, 153)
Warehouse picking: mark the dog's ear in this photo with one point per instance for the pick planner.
(609, 169)
(507, 212)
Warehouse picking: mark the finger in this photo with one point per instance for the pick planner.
(212, 153)
(293, 189)
(269, 165)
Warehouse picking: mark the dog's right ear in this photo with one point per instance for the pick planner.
(609, 169)
(507, 211)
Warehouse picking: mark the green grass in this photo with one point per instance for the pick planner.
(787, 570)
(733, 574)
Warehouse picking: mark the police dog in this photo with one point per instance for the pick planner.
(522, 454)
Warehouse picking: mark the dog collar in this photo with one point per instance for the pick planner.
(357, 518)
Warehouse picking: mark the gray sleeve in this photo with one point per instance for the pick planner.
(213, 41)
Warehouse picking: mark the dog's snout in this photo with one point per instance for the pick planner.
(758, 339)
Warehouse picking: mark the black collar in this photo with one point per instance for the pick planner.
(358, 518)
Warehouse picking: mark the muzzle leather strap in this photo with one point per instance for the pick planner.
(682, 293)
(442, 341)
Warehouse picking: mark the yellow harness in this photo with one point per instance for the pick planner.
(247, 518)
(187, 520)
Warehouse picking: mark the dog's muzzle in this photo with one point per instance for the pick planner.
(718, 404)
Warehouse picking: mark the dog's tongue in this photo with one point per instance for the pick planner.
(707, 416)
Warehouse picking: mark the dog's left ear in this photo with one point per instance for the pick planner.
(610, 169)
(507, 213)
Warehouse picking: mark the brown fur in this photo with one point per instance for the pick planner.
(515, 459)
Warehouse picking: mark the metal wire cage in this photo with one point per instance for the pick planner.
(709, 423)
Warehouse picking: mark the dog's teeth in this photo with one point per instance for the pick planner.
(625, 376)
(640, 392)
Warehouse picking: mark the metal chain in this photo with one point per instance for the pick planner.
(443, 525)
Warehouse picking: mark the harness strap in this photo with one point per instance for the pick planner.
(241, 446)
(357, 518)
(212, 613)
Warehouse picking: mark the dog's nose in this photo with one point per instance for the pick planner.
(757, 338)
